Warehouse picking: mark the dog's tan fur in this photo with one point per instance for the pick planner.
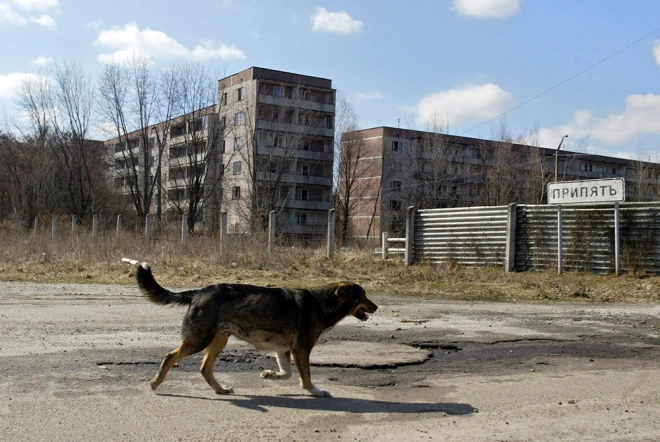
(287, 322)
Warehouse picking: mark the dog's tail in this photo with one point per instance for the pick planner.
(154, 292)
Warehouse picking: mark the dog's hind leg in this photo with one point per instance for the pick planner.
(185, 349)
(301, 357)
(210, 355)
(284, 362)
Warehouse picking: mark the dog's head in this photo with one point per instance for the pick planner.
(353, 295)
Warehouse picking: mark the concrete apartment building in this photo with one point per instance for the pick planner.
(279, 142)
(267, 144)
(395, 168)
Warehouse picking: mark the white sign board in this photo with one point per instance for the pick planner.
(609, 190)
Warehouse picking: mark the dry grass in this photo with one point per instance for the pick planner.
(84, 259)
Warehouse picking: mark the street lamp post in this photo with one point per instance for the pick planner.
(557, 158)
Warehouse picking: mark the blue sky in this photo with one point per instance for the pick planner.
(458, 63)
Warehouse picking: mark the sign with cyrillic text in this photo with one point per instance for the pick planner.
(609, 190)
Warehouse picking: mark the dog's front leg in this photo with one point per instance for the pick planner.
(301, 357)
(284, 362)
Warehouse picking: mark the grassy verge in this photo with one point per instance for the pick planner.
(86, 259)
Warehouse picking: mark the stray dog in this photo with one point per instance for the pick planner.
(284, 321)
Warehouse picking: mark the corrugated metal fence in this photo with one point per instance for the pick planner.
(524, 237)
(474, 235)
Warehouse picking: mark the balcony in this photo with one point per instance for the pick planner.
(295, 128)
(293, 103)
(300, 154)
(308, 205)
(296, 179)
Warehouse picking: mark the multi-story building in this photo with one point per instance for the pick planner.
(266, 145)
(279, 142)
(383, 170)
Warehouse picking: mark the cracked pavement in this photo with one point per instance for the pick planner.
(75, 361)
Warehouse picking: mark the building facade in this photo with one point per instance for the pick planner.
(266, 145)
(384, 170)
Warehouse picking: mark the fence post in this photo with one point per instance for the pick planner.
(384, 251)
(271, 232)
(560, 238)
(330, 249)
(223, 228)
(120, 219)
(53, 227)
(410, 233)
(510, 253)
(74, 224)
(147, 226)
(95, 225)
(617, 241)
(184, 228)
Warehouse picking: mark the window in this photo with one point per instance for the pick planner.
(395, 205)
(398, 146)
(178, 130)
(240, 94)
(302, 194)
(304, 94)
(236, 168)
(328, 121)
(397, 166)
(224, 99)
(223, 122)
(276, 116)
(278, 91)
(304, 145)
(587, 167)
(222, 169)
(301, 218)
(236, 193)
(239, 118)
(222, 146)
(303, 169)
(238, 143)
(396, 186)
(614, 171)
(278, 141)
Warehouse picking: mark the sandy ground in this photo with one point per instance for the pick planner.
(75, 361)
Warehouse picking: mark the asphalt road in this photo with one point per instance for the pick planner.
(75, 361)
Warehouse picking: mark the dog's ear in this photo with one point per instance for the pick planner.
(344, 290)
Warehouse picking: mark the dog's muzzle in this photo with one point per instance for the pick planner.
(363, 309)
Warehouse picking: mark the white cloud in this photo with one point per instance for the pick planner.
(365, 96)
(487, 8)
(36, 5)
(130, 41)
(41, 60)
(222, 51)
(469, 103)
(11, 84)
(8, 15)
(338, 22)
(639, 116)
(44, 20)
(656, 51)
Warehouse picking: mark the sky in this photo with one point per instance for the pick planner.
(589, 69)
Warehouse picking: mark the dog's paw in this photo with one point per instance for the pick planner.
(317, 392)
(224, 390)
(268, 374)
(153, 384)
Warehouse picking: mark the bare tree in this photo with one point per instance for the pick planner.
(195, 155)
(130, 99)
(353, 182)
